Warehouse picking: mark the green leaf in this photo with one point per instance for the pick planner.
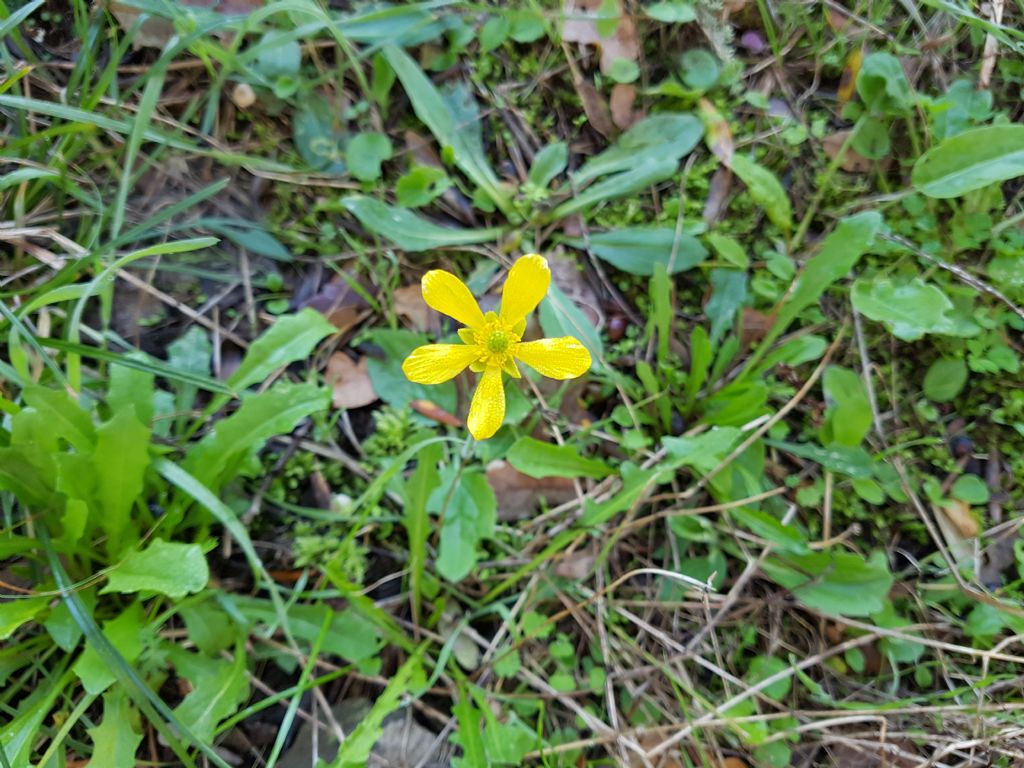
(121, 459)
(20, 733)
(248, 235)
(470, 517)
(117, 738)
(209, 626)
(702, 452)
(909, 309)
(538, 459)
(169, 568)
(672, 11)
(765, 190)
(290, 338)
(415, 519)
(634, 482)
(218, 689)
(454, 123)
(365, 154)
(971, 160)
(547, 164)
(834, 582)
(844, 459)
(699, 69)
(469, 732)
(728, 248)
(848, 415)
(636, 250)
(970, 488)
(219, 456)
(728, 292)
(763, 667)
(409, 231)
(130, 387)
(355, 749)
(839, 254)
(421, 185)
(15, 612)
(67, 417)
(640, 176)
(561, 317)
(494, 32)
(883, 85)
(125, 634)
(663, 137)
(945, 379)
(319, 135)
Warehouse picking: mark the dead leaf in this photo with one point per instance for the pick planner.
(733, 762)
(755, 325)
(959, 514)
(848, 80)
(596, 108)
(718, 194)
(717, 134)
(576, 566)
(519, 495)
(435, 412)
(339, 302)
(851, 162)
(582, 19)
(350, 382)
(622, 100)
(409, 303)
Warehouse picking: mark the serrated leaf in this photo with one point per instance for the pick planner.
(116, 739)
(169, 568)
(538, 459)
(125, 634)
(15, 612)
(121, 458)
(218, 689)
(67, 417)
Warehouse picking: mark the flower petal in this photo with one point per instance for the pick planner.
(562, 358)
(444, 292)
(488, 408)
(436, 363)
(527, 283)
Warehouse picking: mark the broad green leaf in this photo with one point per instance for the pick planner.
(765, 190)
(834, 582)
(839, 254)
(663, 137)
(634, 482)
(131, 387)
(169, 568)
(415, 518)
(848, 413)
(121, 459)
(249, 235)
(17, 611)
(29, 472)
(700, 363)
(945, 379)
(20, 733)
(547, 164)
(221, 454)
(763, 667)
(365, 154)
(636, 250)
(909, 309)
(116, 739)
(125, 634)
(469, 733)
(638, 177)
(409, 231)
(905, 651)
(453, 121)
(728, 248)
(355, 749)
(538, 459)
(290, 338)
(672, 11)
(970, 488)
(219, 688)
(883, 85)
(561, 317)
(421, 185)
(844, 459)
(319, 135)
(971, 160)
(470, 517)
(192, 352)
(787, 538)
(69, 420)
(702, 452)
(728, 292)
(209, 626)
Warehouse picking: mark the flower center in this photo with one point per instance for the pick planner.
(498, 342)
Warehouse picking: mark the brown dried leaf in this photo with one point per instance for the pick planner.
(350, 381)
(596, 108)
(848, 80)
(409, 304)
(959, 514)
(851, 162)
(519, 495)
(717, 133)
(581, 26)
(576, 566)
(622, 100)
(437, 413)
(339, 303)
(755, 325)
(718, 193)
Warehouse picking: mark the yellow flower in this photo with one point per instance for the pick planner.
(493, 341)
